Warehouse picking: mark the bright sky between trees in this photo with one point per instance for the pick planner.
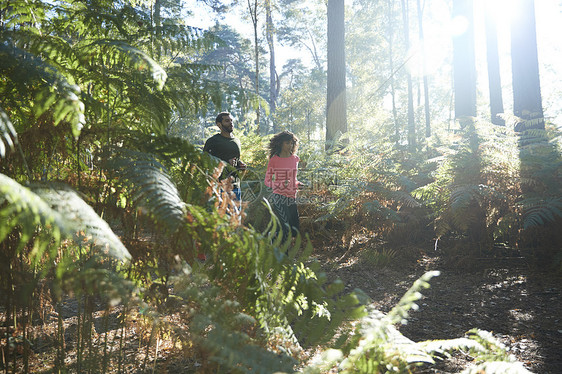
(438, 30)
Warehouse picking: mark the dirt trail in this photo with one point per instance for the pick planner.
(518, 303)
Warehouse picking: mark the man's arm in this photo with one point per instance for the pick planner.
(207, 146)
(269, 174)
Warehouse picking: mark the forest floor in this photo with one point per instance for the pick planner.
(516, 301)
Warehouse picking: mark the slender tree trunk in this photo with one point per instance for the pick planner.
(527, 102)
(424, 71)
(494, 76)
(273, 79)
(156, 23)
(464, 65)
(253, 8)
(390, 31)
(411, 118)
(308, 123)
(336, 106)
(314, 51)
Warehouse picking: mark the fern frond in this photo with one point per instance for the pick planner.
(54, 49)
(54, 92)
(464, 206)
(119, 53)
(429, 192)
(234, 350)
(173, 37)
(399, 313)
(444, 347)
(8, 135)
(494, 358)
(482, 345)
(462, 196)
(405, 198)
(87, 227)
(218, 325)
(539, 211)
(442, 226)
(528, 126)
(376, 343)
(94, 275)
(24, 209)
(269, 277)
(144, 103)
(25, 12)
(324, 362)
(150, 185)
(377, 330)
(188, 89)
(171, 150)
(60, 211)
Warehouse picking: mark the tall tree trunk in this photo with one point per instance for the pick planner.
(464, 65)
(411, 118)
(424, 72)
(273, 79)
(527, 102)
(253, 8)
(390, 31)
(494, 77)
(336, 107)
(156, 24)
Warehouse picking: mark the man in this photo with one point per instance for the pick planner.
(226, 147)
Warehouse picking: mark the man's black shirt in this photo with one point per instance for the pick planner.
(225, 149)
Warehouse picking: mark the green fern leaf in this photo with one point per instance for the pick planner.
(539, 211)
(150, 184)
(86, 226)
(25, 12)
(405, 198)
(8, 135)
(26, 210)
(462, 196)
(58, 209)
(120, 52)
(399, 313)
(54, 92)
(218, 327)
(444, 347)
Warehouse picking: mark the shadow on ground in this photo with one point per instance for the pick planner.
(519, 303)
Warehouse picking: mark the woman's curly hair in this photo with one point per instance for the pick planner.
(276, 143)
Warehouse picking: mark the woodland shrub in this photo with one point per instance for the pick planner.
(540, 154)
(481, 191)
(474, 191)
(251, 289)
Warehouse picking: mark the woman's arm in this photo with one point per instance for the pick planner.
(269, 174)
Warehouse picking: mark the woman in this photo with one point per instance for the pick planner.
(281, 176)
